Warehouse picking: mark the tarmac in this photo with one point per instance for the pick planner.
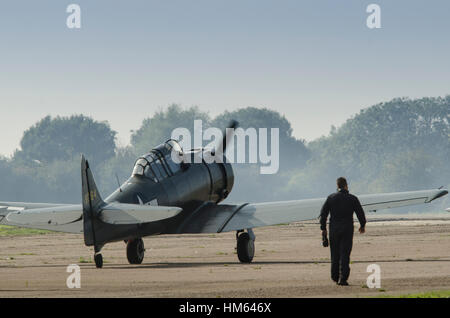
(413, 255)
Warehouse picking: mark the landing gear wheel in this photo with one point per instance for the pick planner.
(245, 248)
(135, 251)
(98, 260)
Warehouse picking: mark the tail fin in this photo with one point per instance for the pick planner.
(92, 203)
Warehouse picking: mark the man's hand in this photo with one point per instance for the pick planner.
(325, 241)
(362, 230)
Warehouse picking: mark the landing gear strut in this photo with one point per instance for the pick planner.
(135, 251)
(98, 258)
(245, 246)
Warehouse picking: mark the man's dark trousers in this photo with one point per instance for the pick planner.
(341, 241)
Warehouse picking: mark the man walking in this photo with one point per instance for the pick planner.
(340, 206)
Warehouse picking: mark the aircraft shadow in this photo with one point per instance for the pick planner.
(166, 265)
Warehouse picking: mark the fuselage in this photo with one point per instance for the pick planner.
(158, 180)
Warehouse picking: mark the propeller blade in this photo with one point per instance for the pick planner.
(227, 135)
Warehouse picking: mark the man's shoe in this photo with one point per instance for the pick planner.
(343, 283)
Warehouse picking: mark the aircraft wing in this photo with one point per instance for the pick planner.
(16, 206)
(69, 218)
(44, 216)
(224, 218)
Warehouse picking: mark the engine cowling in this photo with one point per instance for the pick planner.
(222, 180)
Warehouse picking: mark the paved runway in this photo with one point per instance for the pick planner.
(414, 256)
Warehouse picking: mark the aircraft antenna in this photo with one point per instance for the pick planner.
(118, 182)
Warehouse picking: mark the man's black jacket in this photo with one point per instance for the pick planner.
(340, 206)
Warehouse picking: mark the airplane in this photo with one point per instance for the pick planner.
(163, 196)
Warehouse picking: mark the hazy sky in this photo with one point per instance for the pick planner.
(314, 61)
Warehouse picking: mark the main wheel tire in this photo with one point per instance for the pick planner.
(245, 248)
(98, 258)
(135, 251)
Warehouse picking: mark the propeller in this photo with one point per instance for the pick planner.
(227, 136)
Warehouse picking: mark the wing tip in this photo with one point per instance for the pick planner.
(437, 195)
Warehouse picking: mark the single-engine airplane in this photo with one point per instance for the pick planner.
(166, 197)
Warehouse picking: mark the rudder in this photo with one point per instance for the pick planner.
(92, 203)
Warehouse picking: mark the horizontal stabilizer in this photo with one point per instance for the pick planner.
(122, 213)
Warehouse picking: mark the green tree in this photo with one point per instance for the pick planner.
(250, 184)
(116, 168)
(399, 145)
(65, 138)
(293, 152)
(158, 128)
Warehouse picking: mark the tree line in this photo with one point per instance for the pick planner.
(400, 145)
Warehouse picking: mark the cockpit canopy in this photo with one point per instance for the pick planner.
(158, 164)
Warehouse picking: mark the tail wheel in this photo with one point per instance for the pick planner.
(135, 251)
(98, 258)
(245, 248)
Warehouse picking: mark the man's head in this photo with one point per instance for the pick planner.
(341, 183)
